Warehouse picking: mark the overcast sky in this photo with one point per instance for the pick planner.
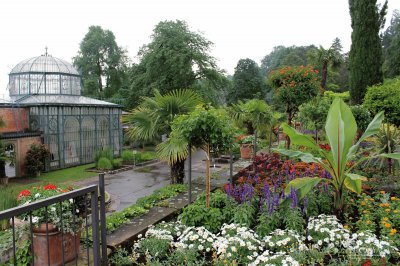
(238, 29)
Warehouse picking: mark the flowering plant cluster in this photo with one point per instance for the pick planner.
(67, 210)
(379, 212)
(243, 139)
(325, 238)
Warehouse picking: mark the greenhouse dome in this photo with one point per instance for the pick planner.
(44, 74)
(46, 98)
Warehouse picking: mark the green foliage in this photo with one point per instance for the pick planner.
(366, 48)
(268, 223)
(312, 114)
(282, 56)
(35, 159)
(199, 215)
(253, 114)
(161, 194)
(156, 249)
(127, 156)
(176, 58)
(99, 57)
(104, 164)
(362, 117)
(121, 257)
(221, 211)
(8, 200)
(117, 163)
(385, 98)
(391, 47)
(247, 82)
(105, 152)
(115, 220)
(244, 214)
(293, 219)
(185, 257)
(294, 86)
(345, 96)
(326, 59)
(340, 130)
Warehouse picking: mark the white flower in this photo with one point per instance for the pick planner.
(37, 195)
(35, 219)
(233, 249)
(200, 247)
(139, 236)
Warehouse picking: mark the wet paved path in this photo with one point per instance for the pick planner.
(126, 187)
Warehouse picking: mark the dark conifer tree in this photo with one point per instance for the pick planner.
(366, 47)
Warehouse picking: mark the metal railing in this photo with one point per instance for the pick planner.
(85, 201)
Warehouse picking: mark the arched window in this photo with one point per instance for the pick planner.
(103, 132)
(71, 141)
(88, 140)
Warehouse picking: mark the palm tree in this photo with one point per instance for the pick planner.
(327, 57)
(153, 118)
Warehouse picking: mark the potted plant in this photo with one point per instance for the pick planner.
(61, 233)
(246, 146)
(35, 160)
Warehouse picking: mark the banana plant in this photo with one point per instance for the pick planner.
(340, 129)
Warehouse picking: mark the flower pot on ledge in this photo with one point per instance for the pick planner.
(55, 239)
(246, 151)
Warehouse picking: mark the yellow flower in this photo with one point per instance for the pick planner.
(385, 218)
(345, 226)
(363, 203)
(365, 211)
(382, 192)
(393, 231)
(395, 211)
(388, 225)
(368, 222)
(387, 210)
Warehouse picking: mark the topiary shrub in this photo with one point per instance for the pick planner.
(385, 98)
(127, 157)
(104, 164)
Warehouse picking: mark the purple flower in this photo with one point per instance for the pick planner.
(293, 197)
(305, 204)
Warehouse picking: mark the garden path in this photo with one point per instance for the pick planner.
(128, 186)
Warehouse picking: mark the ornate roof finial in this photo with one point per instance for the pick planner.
(46, 51)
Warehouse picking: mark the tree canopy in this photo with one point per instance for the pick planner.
(101, 60)
(247, 82)
(176, 58)
(366, 48)
(391, 47)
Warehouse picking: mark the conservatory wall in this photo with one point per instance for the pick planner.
(74, 133)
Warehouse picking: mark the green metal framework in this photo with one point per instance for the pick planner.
(74, 134)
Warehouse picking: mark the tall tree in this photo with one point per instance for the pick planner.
(247, 82)
(391, 47)
(327, 58)
(174, 59)
(366, 49)
(100, 59)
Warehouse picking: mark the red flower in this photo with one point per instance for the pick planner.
(50, 187)
(23, 193)
(367, 263)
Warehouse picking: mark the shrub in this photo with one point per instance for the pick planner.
(36, 158)
(127, 156)
(385, 98)
(104, 164)
(117, 163)
(103, 153)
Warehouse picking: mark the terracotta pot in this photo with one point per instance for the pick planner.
(246, 151)
(55, 239)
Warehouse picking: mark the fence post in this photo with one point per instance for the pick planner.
(95, 227)
(103, 220)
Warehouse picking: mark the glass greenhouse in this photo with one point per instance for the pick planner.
(74, 127)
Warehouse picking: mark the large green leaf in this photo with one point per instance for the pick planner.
(303, 185)
(372, 129)
(340, 130)
(395, 156)
(353, 182)
(305, 157)
(299, 139)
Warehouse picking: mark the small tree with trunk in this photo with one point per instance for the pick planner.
(206, 128)
(294, 86)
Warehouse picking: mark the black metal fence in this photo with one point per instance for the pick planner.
(55, 245)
